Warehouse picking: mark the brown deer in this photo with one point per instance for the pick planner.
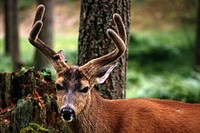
(86, 112)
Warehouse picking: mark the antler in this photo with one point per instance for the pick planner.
(57, 59)
(119, 39)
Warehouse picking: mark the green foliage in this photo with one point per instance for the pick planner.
(24, 69)
(148, 51)
(160, 66)
(24, 4)
(46, 72)
(156, 48)
(34, 128)
(170, 86)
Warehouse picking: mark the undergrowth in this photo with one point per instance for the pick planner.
(161, 66)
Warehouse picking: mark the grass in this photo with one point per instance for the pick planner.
(160, 63)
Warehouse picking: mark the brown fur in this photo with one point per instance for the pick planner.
(97, 115)
(137, 115)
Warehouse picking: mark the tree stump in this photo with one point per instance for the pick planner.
(28, 103)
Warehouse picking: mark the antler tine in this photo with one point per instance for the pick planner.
(56, 58)
(119, 40)
(39, 13)
(120, 27)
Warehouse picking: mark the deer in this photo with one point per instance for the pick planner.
(85, 111)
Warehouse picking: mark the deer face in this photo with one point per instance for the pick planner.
(73, 93)
(74, 90)
(74, 83)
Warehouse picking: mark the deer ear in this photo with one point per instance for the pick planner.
(103, 73)
(61, 53)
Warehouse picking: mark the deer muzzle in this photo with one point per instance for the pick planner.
(67, 114)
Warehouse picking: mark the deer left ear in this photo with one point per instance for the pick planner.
(103, 73)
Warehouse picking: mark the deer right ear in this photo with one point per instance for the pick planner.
(103, 73)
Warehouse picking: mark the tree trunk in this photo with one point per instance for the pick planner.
(28, 102)
(197, 56)
(11, 32)
(7, 13)
(95, 19)
(46, 35)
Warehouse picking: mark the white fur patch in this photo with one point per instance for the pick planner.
(105, 76)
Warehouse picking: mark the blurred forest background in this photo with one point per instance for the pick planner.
(163, 45)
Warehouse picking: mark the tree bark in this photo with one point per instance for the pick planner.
(197, 53)
(46, 35)
(95, 19)
(11, 33)
(28, 102)
(7, 13)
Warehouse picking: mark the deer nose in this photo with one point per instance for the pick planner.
(67, 114)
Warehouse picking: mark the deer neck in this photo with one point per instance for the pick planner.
(86, 122)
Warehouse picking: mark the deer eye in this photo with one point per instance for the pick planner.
(58, 87)
(84, 90)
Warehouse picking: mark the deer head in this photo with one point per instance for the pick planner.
(74, 83)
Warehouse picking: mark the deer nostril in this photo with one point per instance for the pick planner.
(67, 114)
